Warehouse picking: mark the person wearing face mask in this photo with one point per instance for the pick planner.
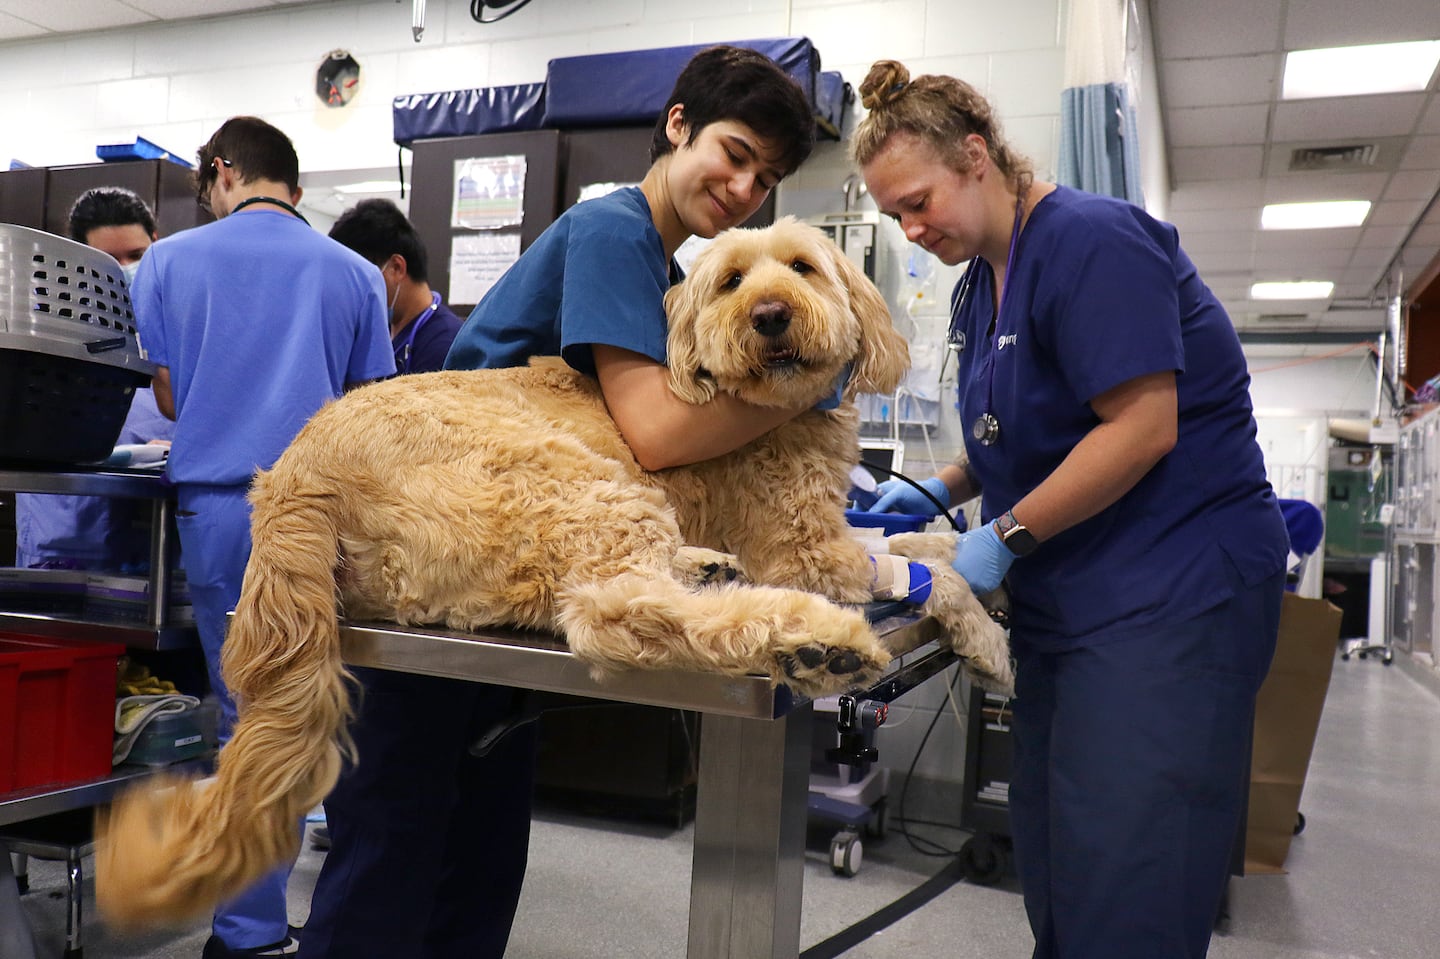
(96, 532)
(421, 326)
(1110, 436)
(589, 289)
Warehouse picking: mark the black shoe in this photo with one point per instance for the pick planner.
(320, 837)
(289, 946)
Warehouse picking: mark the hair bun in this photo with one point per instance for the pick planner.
(884, 83)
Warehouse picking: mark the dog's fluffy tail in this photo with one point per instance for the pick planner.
(170, 851)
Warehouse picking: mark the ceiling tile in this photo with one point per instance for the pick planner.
(1371, 258)
(1191, 164)
(1216, 126)
(1394, 213)
(1234, 194)
(1220, 81)
(1430, 122)
(1209, 221)
(1217, 241)
(1302, 264)
(1383, 237)
(13, 28)
(1424, 154)
(1325, 23)
(1332, 119)
(1222, 261)
(1286, 241)
(1301, 187)
(63, 15)
(1413, 185)
(1216, 28)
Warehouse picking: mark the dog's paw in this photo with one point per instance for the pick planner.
(850, 656)
(939, 547)
(698, 566)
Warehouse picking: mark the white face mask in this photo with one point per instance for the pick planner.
(130, 269)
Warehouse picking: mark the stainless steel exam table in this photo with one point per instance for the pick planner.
(754, 763)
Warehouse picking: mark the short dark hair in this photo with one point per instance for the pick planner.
(108, 206)
(376, 229)
(256, 150)
(735, 83)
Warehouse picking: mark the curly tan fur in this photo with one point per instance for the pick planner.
(477, 499)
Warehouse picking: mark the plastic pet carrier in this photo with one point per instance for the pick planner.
(70, 360)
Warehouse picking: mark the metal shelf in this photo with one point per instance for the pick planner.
(37, 801)
(132, 634)
(155, 631)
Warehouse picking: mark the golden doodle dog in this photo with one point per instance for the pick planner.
(508, 497)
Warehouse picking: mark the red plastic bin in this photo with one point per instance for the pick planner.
(57, 710)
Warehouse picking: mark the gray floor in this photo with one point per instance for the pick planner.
(1362, 877)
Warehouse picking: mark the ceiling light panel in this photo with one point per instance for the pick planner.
(1314, 216)
(1357, 71)
(1292, 290)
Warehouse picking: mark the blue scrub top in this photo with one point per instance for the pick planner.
(252, 359)
(431, 343)
(1101, 293)
(596, 275)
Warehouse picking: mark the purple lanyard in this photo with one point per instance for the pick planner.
(402, 353)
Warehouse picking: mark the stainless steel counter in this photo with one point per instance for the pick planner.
(755, 741)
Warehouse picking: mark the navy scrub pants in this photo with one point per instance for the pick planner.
(428, 843)
(1128, 787)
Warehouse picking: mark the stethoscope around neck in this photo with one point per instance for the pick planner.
(403, 351)
(986, 428)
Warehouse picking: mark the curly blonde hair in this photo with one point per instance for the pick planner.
(939, 111)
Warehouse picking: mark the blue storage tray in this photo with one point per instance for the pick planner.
(457, 113)
(618, 89)
(141, 149)
(889, 522)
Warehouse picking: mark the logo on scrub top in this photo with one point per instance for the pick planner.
(1007, 340)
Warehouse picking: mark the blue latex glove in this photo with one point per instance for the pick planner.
(833, 399)
(982, 558)
(898, 496)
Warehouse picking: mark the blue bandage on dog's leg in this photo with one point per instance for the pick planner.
(920, 583)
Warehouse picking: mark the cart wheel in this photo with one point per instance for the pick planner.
(1299, 823)
(1345, 655)
(846, 853)
(879, 821)
(982, 860)
(76, 953)
(1389, 657)
(1362, 654)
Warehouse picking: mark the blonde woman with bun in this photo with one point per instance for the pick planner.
(1108, 429)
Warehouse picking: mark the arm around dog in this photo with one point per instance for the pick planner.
(663, 430)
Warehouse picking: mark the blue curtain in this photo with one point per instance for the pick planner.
(1099, 143)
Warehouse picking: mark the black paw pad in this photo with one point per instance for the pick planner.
(811, 656)
(847, 662)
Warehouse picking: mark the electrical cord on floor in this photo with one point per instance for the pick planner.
(919, 843)
(944, 510)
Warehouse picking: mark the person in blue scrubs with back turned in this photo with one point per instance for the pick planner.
(431, 842)
(254, 322)
(1109, 431)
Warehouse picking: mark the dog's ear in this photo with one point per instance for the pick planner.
(683, 302)
(884, 354)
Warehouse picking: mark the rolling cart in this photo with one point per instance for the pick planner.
(985, 797)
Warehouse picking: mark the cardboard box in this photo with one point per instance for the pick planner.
(1287, 717)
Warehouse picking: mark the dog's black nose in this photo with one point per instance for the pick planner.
(770, 318)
